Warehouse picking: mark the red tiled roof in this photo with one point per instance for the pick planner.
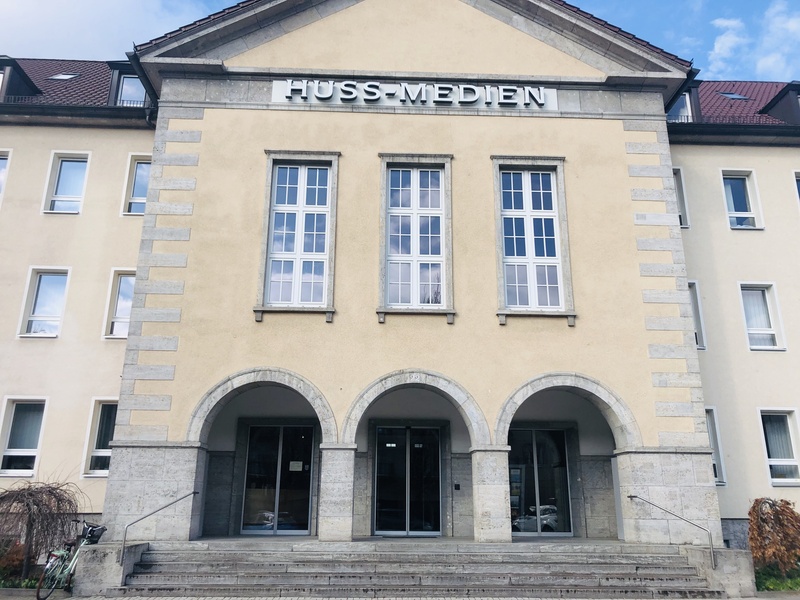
(90, 88)
(714, 107)
(596, 20)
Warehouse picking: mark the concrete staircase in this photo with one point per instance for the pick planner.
(407, 568)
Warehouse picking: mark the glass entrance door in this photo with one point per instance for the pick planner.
(539, 482)
(407, 481)
(277, 491)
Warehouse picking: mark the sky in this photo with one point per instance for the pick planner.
(726, 39)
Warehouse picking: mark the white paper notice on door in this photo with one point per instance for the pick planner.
(295, 465)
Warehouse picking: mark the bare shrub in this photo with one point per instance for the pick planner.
(39, 515)
(774, 534)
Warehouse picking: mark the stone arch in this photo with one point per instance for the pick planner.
(465, 404)
(217, 397)
(616, 412)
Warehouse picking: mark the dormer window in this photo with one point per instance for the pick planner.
(130, 91)
(64, 76)
(681, 111)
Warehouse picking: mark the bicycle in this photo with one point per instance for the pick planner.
(60, 567)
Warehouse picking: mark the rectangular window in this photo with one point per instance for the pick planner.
(416, 274)
(713, 439)
(740, 200)
(414, 256)
(760, 317)
(130, 92)
(781, 456)
(102, 433)
(3, 171)
(119, 314)
(680, 195)
(796, 181)
(298, 252)
(45, 303)
(67, 183)
(22, 438)
(533, 245)
(681, 111)
(699, 332)
(136, 189)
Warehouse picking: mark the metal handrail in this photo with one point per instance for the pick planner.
(666, 510)
(150, 514)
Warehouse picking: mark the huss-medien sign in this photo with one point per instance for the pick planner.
(419, 94)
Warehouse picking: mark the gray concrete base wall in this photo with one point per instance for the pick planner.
(218, 493)
(677, 479)
(144, 476)
(463, 526)
(735, 532)
(734, 572)
(98, 568)
(597, 488)
(362, 495)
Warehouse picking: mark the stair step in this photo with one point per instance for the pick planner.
(477, 592)
(419, 580)
(163, 556)
(394, 567)
(309, 569)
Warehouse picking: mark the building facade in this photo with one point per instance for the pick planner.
(344, 288)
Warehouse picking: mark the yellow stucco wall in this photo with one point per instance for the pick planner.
(218, 335)
(421, 36)
(739, 382)
(80, 365)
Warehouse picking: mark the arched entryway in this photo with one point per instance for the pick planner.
(564, 431)
(262, 429)
(414, 432)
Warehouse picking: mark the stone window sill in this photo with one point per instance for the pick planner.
(448, 312)
(321, 310)
(503, 315)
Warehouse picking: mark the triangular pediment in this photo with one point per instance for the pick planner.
(537, 39)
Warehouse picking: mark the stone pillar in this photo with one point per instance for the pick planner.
(336, 492)
(490, 493)
(145, 476)
(678, 479)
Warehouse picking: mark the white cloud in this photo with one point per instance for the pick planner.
(89, 29)
(729, 51)
(696, 6)
(776, 56)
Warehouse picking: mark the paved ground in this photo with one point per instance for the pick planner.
(17, 594)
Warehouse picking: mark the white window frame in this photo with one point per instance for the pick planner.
(9, 406)
(773, 310)
(30, 298)
(130, 180)
(697, 310)
(527, 165)
(683, 116)
(714, 440)
(118, 101)
(680, 197)
(751, 189)
(111, 304)
(6, 154)
(305, 160)
(791, 423)
(416, 163)
(93, 430)
(57, 157)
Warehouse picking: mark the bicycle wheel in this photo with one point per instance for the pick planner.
(50, 576)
